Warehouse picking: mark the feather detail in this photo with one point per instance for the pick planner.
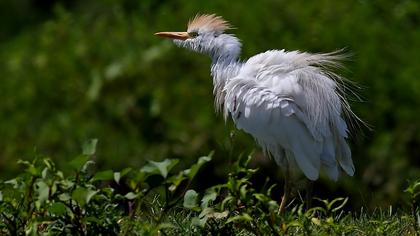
(208, 22)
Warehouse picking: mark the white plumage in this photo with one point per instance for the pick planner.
(290, 102)
(291, 106)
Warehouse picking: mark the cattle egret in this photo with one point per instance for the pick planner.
(291, 102)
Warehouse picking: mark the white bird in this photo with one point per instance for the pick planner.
(290, 102)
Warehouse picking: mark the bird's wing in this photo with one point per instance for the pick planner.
(289, 98)
(304, 77)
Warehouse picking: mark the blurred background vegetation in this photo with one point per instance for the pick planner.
(74, 70)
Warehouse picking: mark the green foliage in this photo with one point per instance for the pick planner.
(156, 200)
(414, 192)
(238, 208)
(42, 200)
(72, 70)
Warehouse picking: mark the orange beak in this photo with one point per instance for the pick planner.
(174, 35)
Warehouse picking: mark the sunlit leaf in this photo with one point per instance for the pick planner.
(316, 220)
(244, 217)
(89, 147)
(64, 197)
(217, 215)
(66, 184)
(343, 202)
(208, 198)
(117, 177)
(162, 168)
(191, 199)
(44, 173)
(175, 181)
(42, 191)
(131, 196)
(12, 182)
(243, 191)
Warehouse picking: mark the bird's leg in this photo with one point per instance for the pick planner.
(308, 194)
(286, 192)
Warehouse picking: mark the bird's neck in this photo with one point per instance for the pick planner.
(223, 69)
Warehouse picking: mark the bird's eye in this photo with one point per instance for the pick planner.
(193, 34)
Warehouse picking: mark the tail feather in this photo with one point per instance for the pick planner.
(344, 156)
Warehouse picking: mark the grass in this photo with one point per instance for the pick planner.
(155, 200)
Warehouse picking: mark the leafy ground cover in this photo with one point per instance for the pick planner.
(157, 200)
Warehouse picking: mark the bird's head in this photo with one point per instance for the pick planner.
(206, 34)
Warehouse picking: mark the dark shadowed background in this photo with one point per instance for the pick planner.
(75, 70)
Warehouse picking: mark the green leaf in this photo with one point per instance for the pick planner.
(12, 182)
(83, 195)
(201, 222)
(30, 168)
(344, 201)
(261, 197)
(205, 212)
(42, 191)
(243, 191)
(103, 175)
(44, 173)
(89, 147)
(64, 197)
(32, 229)
(59, 174)
(1, 196)
(90, 193)
(208, 198)
(117, 177)
(316, 221)
(131, 196)
(79, 162)
(270, 189)
(161, 168)
(192, 172)
(57, 208)
(190, 199)
(125, 171)
(218, 215)
(243, 161)
(79, 195)
(50, 164)
(175, 181)
(314, 210)
(412, 188)
(210, 213)
(226, 201)
(273, 206)
(244, 217)
(66, 184)
(86, 166)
